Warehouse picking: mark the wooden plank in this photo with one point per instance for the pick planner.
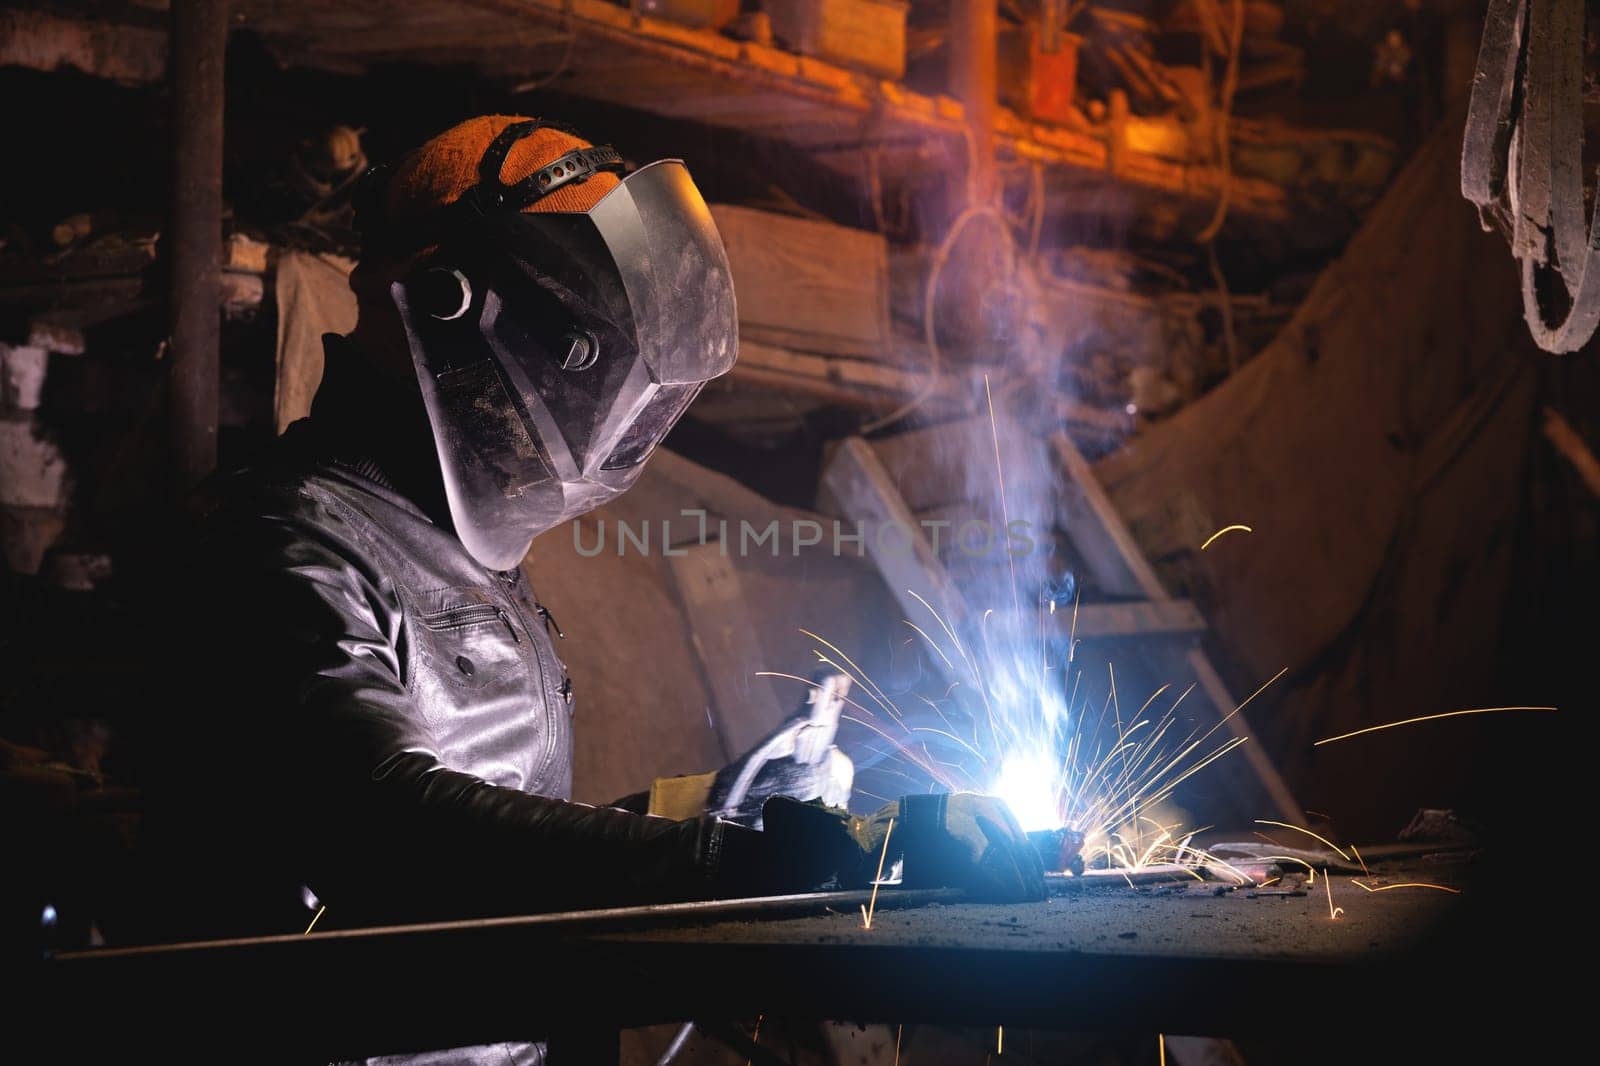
(130, 55)
(856, 486)
(1559, 432)
(808, 284)
(1118, 564)
(745, 706)
(864, 383)
(1272, 782)
(1116, 621)
(919, 463)
(1097, 530)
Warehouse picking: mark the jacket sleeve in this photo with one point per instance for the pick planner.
(344, 779)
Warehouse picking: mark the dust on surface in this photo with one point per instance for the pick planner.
(1193, 921)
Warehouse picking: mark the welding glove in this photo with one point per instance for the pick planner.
(798, 760)
(964, 841)
(968, 841)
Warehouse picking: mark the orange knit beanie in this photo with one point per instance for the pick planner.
(429, 178)
(442, 169)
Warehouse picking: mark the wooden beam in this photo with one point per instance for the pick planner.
(745, 706)
(130, 55)
(1105, 621)
(199, 41)
(1559, 432)
(1119, 565)
(856, 486)
(922, 464)
(850, 382)
(1097, 530)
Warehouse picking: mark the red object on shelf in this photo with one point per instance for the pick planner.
(1053, 78)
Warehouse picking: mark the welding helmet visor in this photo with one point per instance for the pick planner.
(555, 350)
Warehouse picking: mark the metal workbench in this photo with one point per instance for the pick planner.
(1174, 958)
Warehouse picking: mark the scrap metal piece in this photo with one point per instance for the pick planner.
(1522, 160)
(1059, 849)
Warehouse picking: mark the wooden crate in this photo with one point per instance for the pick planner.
(807, 285)
(867, 35)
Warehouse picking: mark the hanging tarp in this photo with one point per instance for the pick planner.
(1376, 449)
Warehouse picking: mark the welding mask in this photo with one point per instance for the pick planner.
(555, 350)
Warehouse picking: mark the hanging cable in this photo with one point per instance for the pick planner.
(941, 256)
(1230, 83)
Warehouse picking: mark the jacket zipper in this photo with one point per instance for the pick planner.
(473, 614)
(551, 724)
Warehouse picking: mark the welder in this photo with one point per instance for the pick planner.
(381, 691)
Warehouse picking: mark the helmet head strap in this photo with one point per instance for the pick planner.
(490, 196)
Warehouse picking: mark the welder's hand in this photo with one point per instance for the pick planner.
(797, 760)
(967, 841)
(812, 847)
(964, 841)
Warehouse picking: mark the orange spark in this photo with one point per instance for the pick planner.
(1425, 718)
(1407, 884)
(756, 1036)
(314, 918)
(1220, 532)
(1307, 832)
(866, 912)
(1327, 883)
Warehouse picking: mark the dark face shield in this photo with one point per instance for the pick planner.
(555, 350)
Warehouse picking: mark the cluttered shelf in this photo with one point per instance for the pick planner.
(839, 106)
(857, 334)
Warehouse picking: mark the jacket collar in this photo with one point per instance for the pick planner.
(369, 426)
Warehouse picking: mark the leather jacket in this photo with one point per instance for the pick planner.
(393, 719)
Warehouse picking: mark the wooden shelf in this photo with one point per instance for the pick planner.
(605, 52)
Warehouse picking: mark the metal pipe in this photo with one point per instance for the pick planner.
(199, 40)
(974, 37)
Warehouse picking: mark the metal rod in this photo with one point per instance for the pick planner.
(199, 41)
(564, 923)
